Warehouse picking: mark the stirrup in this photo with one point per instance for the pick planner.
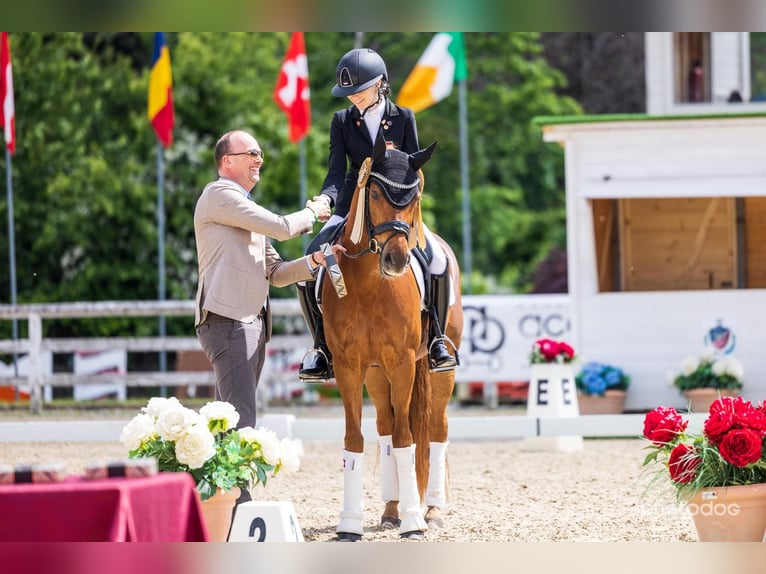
(315, 377)
(449, 367)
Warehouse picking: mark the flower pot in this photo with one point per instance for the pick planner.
(612, 402)
(217, 511)
(701, 399)
(730, 514)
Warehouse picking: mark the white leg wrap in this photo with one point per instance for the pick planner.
(410, 512)
(436, 492)
(352, 514)
(389, 477)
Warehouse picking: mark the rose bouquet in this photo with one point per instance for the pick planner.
(597, 378)
(551, 351)
(207, 446)
(729, 452)
(709, 371)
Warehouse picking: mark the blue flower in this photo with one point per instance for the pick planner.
(596, 378)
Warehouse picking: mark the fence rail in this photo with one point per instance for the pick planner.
(35, 345)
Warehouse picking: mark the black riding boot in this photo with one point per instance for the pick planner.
(315, 366)
(439, 358)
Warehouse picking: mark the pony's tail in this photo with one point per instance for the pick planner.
(420, 416)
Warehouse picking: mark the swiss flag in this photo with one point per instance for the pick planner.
(7, 111)
(292, 90)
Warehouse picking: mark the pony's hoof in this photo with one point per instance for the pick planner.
(435, 522)
(348, 537)
(434, 518)
(388, 522)
(413, 535)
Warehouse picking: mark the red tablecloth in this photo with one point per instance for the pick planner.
(160, 508)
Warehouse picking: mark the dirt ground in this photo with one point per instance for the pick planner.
(498, 491)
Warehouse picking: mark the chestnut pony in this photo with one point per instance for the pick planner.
(377, 335)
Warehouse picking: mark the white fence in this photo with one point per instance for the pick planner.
(39, 378)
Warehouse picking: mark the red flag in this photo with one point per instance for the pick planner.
(292, 90)
(7, 113)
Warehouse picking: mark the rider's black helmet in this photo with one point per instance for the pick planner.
(357, 70)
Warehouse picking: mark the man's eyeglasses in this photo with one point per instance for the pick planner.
(251, 152)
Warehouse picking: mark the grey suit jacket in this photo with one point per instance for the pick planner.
(236, 259)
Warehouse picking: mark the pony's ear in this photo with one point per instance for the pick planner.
(379, 149)
(420, 157)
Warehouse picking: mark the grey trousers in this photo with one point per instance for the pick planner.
(237, 352)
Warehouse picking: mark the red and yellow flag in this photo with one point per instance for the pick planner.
(160, 109)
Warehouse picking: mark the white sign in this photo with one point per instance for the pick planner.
(499, 331)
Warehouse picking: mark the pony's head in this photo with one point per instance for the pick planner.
(389, 190)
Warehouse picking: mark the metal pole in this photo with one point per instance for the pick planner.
(464, 180)
(358, 38)
(12, 257)
(304, 185)
(161, 253)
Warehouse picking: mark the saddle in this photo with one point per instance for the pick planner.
(419, 265)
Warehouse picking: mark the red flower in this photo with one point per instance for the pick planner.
(739, 413)
(718, 423)
(566, 350)
(663, 425)
(549, 349)
(741, 447)
(683, 462)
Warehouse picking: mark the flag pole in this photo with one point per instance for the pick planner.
(12, 256)
(304, 185)
(464, 180)
(161, 253)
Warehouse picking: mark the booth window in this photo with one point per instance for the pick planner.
(677, 244)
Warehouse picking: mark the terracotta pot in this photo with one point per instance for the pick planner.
(730, 514)
(217, 511)
(612, 402)
(701, 399)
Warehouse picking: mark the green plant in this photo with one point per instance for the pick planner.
(206, 445)
(729, 452)
(709, 371)
(596, 378)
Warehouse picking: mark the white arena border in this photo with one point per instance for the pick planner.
(461, 428)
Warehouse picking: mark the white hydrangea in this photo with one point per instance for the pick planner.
(291, 455)
(689, 365)
(195, 447)
(728, 365)
(173, 423)
(220, 411)
(139, 429)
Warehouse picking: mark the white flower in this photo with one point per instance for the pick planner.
(172, 423)
(733, 367)
(157, 405)
(291, 455)
(137, 431)
(195, 447)
(267, 439)
(689, 365)
(221, 416)
(709, 354)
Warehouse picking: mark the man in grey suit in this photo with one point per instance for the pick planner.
(236, 265)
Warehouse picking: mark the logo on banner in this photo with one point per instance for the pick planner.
(720, 338)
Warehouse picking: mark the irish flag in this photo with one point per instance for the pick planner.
(441, 65)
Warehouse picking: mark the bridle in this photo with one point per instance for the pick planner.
(396, 226)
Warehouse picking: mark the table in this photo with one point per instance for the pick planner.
(160, 508)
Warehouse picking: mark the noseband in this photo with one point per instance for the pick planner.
(396, 226)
